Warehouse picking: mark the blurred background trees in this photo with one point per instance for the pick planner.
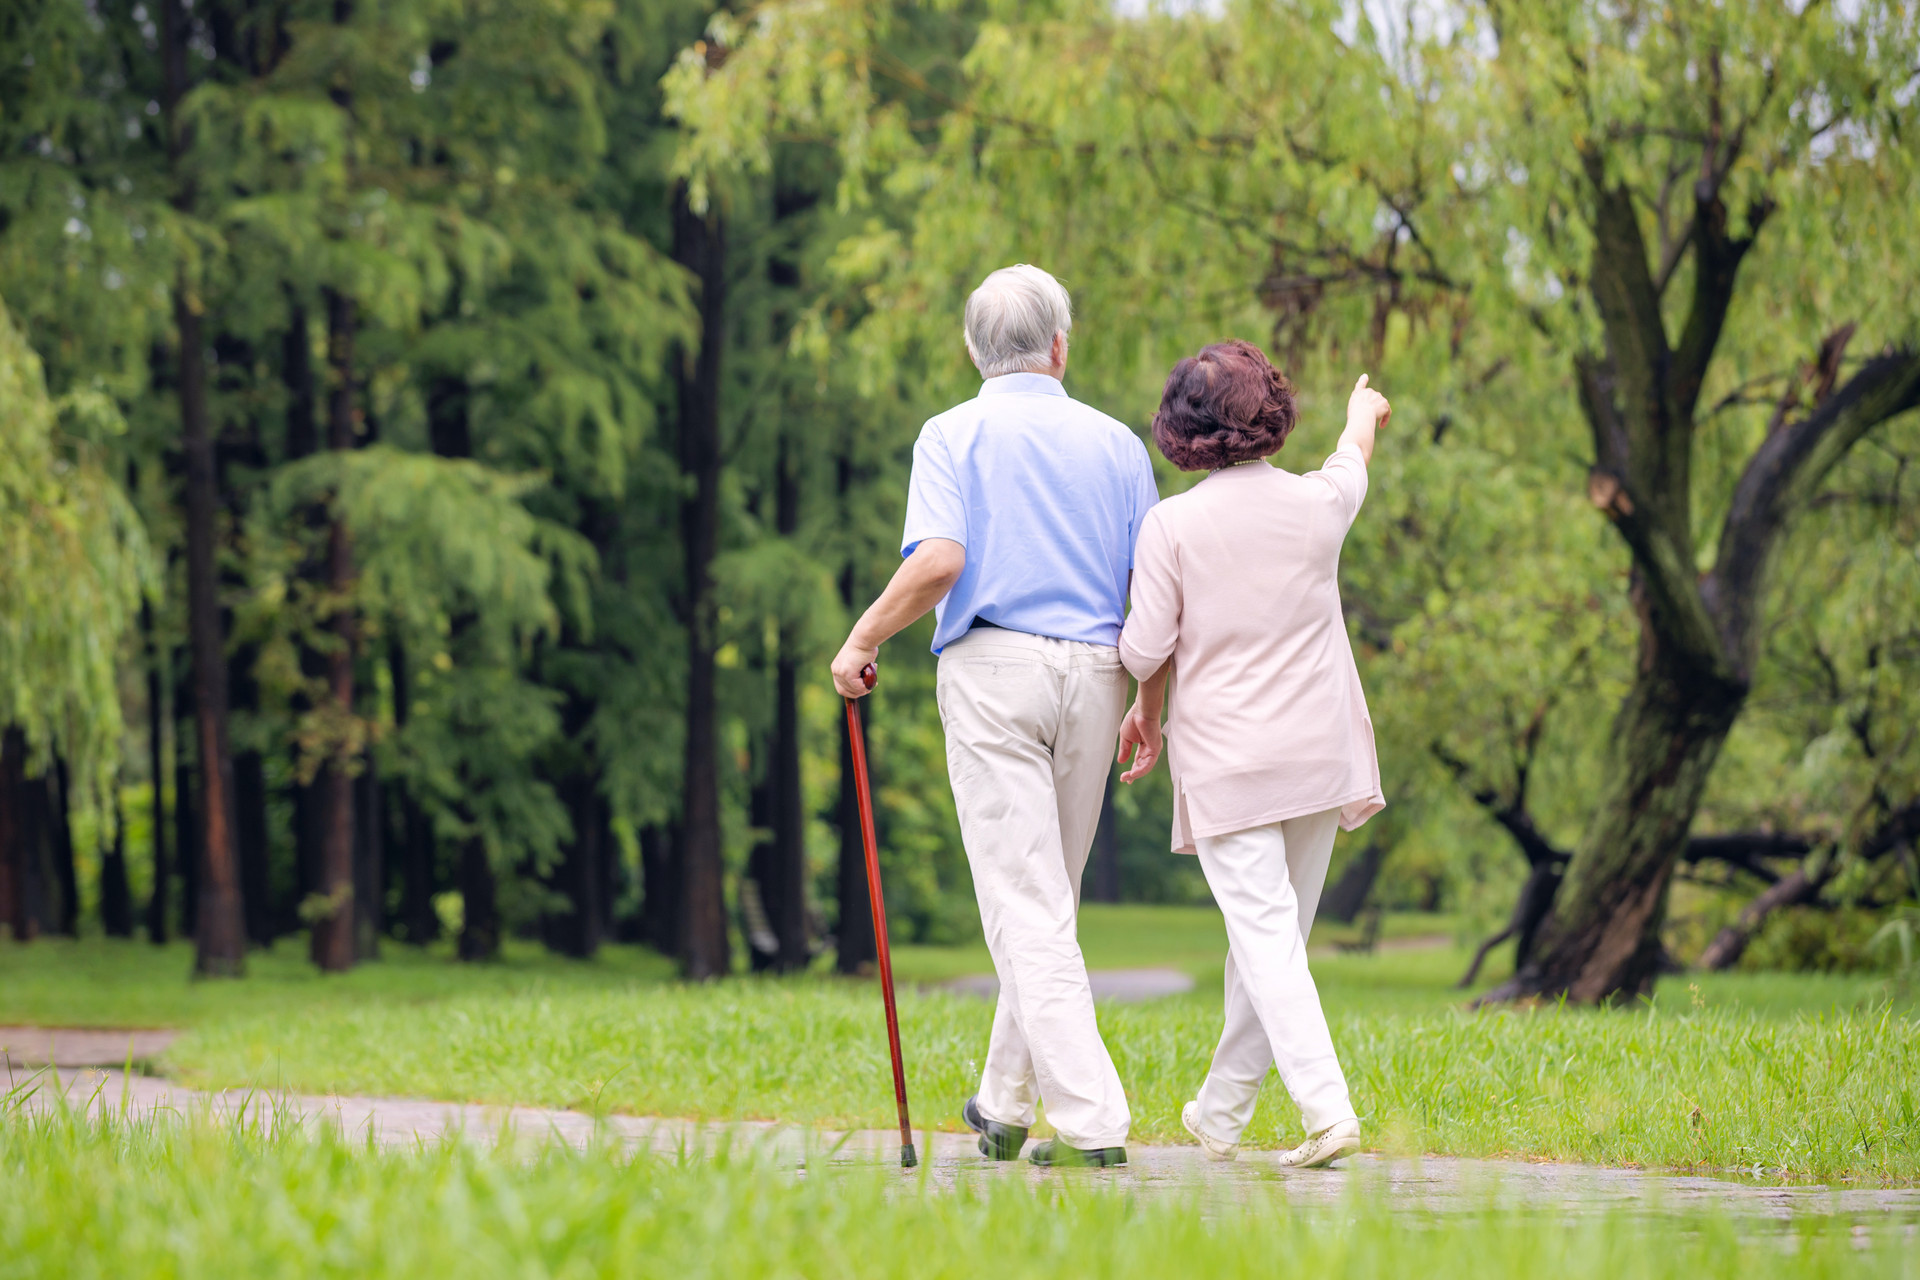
(516, 397)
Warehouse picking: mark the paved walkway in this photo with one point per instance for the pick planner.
(1125, 985)
(1439, 1184)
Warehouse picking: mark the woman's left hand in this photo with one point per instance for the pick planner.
(1139, 732)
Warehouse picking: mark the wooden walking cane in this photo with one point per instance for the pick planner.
(857, 744)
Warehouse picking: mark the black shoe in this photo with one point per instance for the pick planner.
(997, 1141)
(1058, 1154)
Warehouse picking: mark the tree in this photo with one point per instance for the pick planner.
(1741, 107)
(71, 577)
(220, 941)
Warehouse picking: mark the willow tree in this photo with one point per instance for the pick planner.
(1695, 174)
(72, 565)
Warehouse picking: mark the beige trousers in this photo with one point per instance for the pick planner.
(1267, 881)
(1031, 724)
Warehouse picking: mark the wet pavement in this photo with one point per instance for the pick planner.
(1429, 1184)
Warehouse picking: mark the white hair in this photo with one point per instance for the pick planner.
(1012, 318)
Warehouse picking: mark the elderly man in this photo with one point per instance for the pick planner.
(1022, 514)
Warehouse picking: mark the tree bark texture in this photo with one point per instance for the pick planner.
(220, 943)
(1699, 633)
(334, 948)
(699, 244)
(219, 936)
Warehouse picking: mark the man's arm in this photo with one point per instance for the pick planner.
(922, 581)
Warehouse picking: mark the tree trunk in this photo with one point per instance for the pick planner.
(660, 888)
(1344, 897)
(219, 933)
(1106, 850)
(417, 919)
(256, 872)
(186, 816)
(333, 932)
(581, 875)
(220, 945)
(369, 864)
(480, 916)
(157, 905)
(1523, 926)
(116, 898)
(1603, 936)
(20, 890)
(66, 879)
(699, 244)
(787, 900)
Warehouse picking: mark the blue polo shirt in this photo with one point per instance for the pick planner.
(1047, 496)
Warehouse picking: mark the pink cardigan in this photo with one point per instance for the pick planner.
(1237, 581)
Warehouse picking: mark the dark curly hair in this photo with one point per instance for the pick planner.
(1228, 404)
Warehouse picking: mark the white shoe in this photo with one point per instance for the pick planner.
(1215, 1149)
(1323, 1148)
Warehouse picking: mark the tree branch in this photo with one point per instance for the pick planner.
(1716, 263)
(1784, 472)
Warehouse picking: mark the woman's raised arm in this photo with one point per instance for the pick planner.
(1367, 411)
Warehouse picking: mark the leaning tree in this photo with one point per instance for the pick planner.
(1698, 186)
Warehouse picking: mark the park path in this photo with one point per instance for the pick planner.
(1434, 1184)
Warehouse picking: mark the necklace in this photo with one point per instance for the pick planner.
(1244, 462)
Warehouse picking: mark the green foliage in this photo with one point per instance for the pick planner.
(73, 563)
(1406, 192)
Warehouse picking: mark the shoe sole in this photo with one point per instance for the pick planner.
(1095, 1163)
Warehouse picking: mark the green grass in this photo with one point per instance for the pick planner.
(1131, 936)
(1810, 1077)
(193, 1199)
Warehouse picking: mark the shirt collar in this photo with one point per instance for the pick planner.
(1044, 384)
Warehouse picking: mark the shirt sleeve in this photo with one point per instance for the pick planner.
(1145, 494)
(935, 506)
(1345, 472)
(1153, 626)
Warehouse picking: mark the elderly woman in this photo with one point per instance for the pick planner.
(1236, 587)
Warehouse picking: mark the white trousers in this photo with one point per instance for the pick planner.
(1031, 724)
(1267, 881)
